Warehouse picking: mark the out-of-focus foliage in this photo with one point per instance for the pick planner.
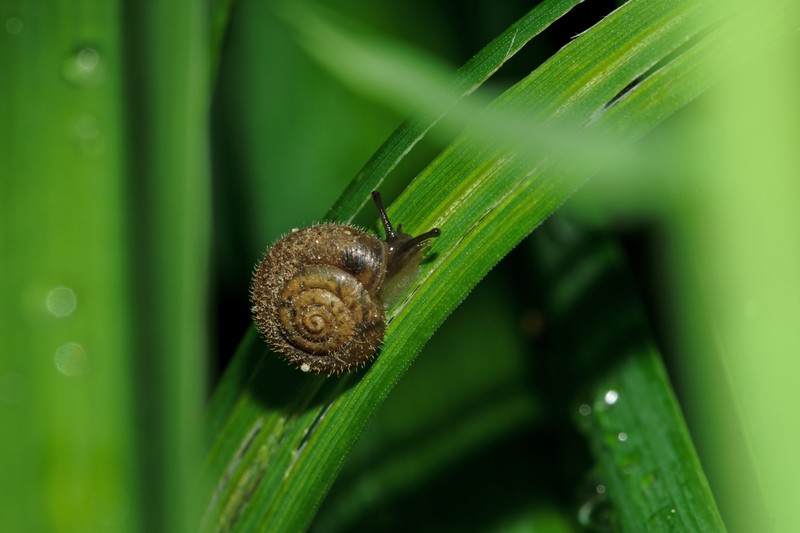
(149, 153)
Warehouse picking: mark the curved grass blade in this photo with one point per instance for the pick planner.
(646, 465)
(468, 78)
(456, 414)
(277, 452)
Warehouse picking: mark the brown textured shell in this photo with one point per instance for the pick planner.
(315, 297)
(318, 293)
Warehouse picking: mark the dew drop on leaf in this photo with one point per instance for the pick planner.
(82, 67)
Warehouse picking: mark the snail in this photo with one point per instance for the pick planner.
(318, 294)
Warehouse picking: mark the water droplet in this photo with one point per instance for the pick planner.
(622, 436)
(88, 58)
(61, 301)
(662, 519)
(90, 135)
(12, 387)
(81, 67)
(611, 397)
(71, 359)
(14, 26)
(585, 420)
(595, 512)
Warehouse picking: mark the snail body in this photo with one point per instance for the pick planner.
(318, 294)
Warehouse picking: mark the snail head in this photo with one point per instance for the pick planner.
(403, 248)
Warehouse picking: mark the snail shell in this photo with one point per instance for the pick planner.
(318, 295)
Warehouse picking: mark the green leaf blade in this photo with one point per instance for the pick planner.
(485, 200)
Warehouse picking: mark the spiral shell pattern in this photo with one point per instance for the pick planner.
(325, 312)
(315, 297)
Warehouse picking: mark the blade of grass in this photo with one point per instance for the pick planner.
(466, 80)
(167, 83)
(448, 409)
(645, 456)
(737, 258)
(415, 79)
(273, 460)
(65, 385)
(646, 464)
(90, 412)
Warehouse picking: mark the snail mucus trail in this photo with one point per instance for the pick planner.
(318, 294)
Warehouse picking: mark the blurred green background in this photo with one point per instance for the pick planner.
(150, 153)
